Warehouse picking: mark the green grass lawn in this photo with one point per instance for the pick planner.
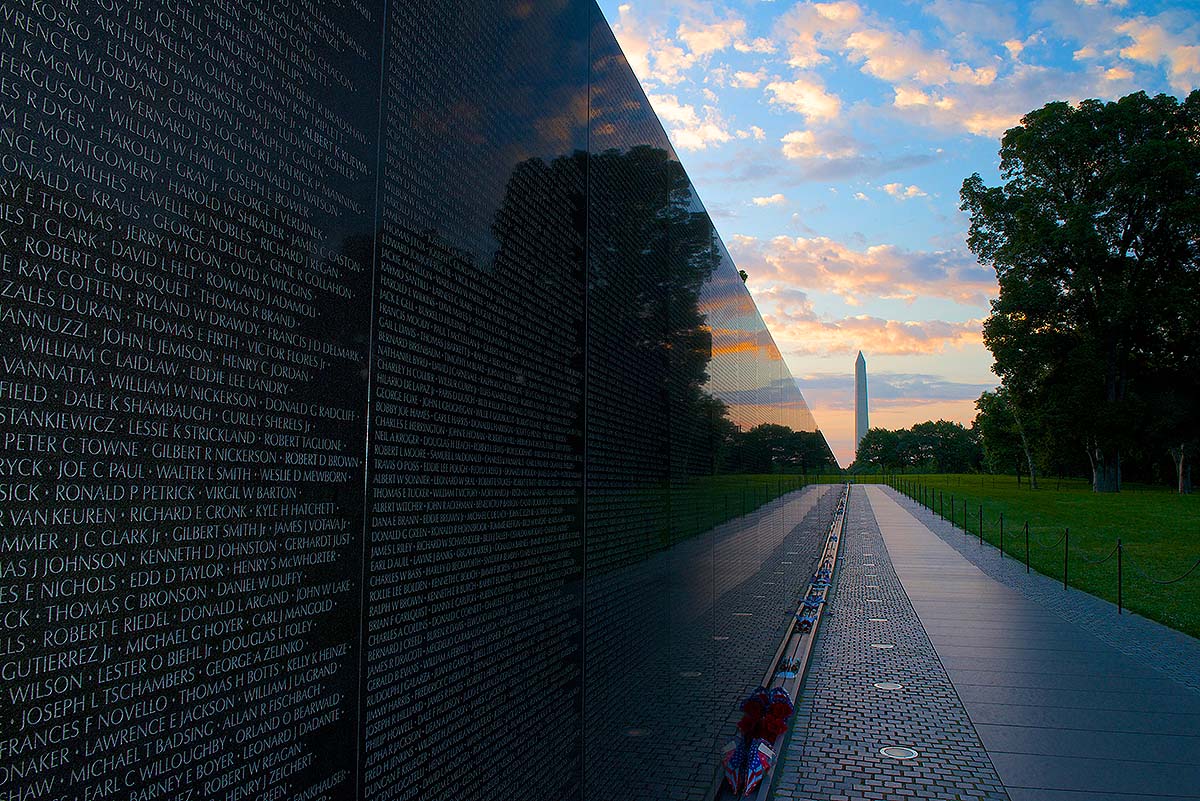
(1159, 530)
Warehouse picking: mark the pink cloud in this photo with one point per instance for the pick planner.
(799, 330)
(880, 271)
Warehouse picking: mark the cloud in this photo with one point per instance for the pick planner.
(811, 28)
(985, 20)
(751, 165)
(889, 389)
(1090, 24)
(689, 129)
(806, 96)
(776, 199)
(812, 31)
(798, 329)
(896, 57)
(904, 192)
(809, 145)
(748, 80)
(703, 39)
(761, 45)
(666, 54)
(634, 36)
(1152, 41)
(991, 110)
(1170, 39)
(670, 62)
(879, 271)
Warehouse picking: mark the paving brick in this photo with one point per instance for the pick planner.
(842, 721)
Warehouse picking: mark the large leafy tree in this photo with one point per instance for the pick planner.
(1095, 239)
(1002, 435)
(943, 447)
(879, 448)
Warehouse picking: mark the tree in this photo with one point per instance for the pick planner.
(773, 448)
(940, 447)
(879, 448)
(1095, 239)
(933, 446)
(1002, 437)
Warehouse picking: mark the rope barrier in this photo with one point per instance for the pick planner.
(1054, 545)
(1160, 582)
(1111, 554)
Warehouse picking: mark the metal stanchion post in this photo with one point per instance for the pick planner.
(1066, 548)
(981, 524)
(1002, 535)
(1119, 577)
(1026, 546)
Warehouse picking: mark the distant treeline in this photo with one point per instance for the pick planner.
(931, 447)
(770, 448)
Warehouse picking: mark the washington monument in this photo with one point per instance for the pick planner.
(861, 424)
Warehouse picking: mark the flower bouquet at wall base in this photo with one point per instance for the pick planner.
(749, 756)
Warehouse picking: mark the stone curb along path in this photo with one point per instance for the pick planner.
(850, 709)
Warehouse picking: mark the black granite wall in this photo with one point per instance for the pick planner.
(356, 358)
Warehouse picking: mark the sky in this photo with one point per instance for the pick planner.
(829, 142)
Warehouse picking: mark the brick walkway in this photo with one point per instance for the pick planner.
(843, 720)
(1008, 686)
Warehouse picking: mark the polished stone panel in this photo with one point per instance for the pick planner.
(188, 207)
(360, 364)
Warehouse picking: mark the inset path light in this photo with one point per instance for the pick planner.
(898, 752)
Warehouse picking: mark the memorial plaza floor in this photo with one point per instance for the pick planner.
(1005, 685)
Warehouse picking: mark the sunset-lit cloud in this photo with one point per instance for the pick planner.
(743, 79)
(702, 39)
(1153, 42)
(811, 145)
(878, 271)
(777, 199)
(807, 97)
(689, 129)
(904, 192)
(799, 330)
(896, 58)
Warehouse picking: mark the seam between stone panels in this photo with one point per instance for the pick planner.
(377, 231)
